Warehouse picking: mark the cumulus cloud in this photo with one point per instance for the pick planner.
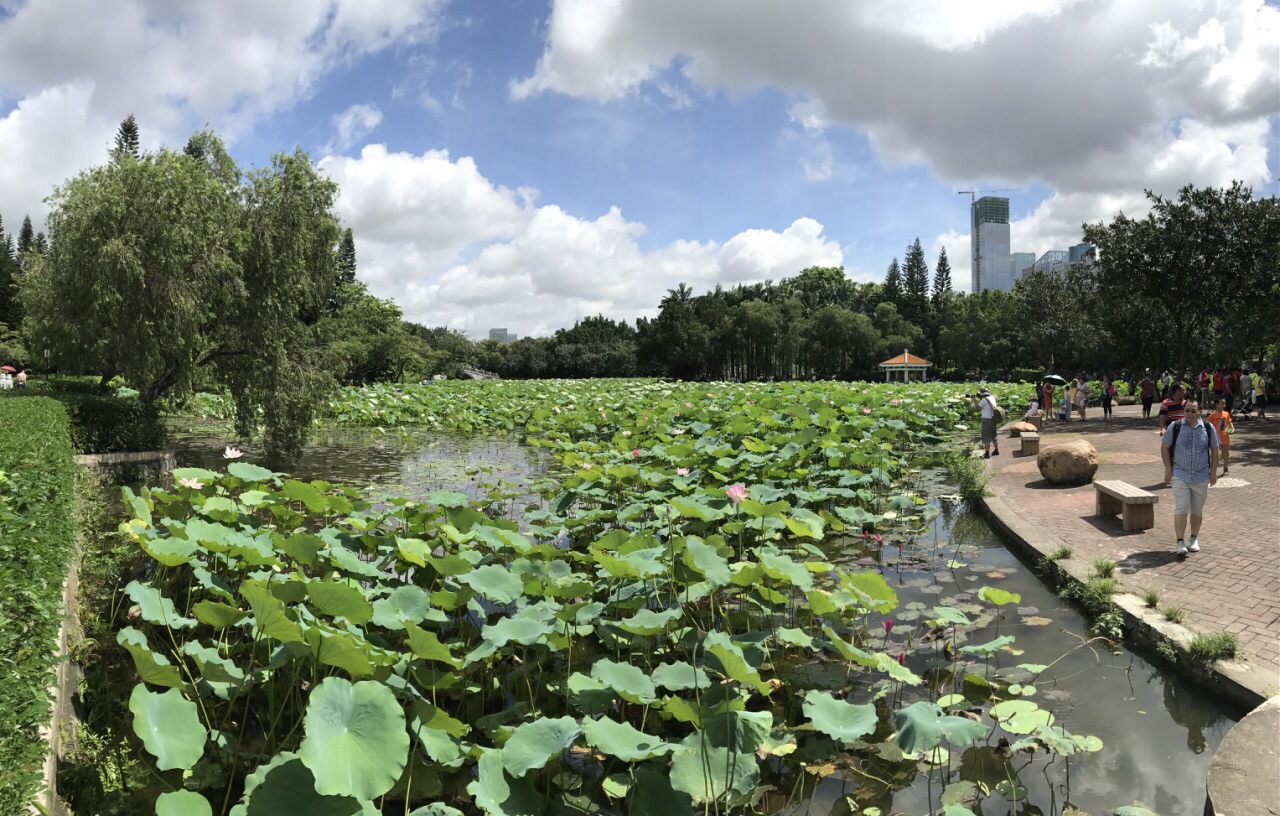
(453, 248)
(176, 66)
(1097, 100)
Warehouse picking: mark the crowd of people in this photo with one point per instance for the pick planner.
(9, 381)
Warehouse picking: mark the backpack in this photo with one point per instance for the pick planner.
(1173, 443)
(996, 411)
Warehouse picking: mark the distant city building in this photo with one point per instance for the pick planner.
(989, 253)
(1055, 260)
(501, 335)
(1080, 252)
(1020, 264)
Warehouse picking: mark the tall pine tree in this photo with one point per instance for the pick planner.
(915, 285)
(127, 137)
(346, 270)
(26, 238)
(9, 314)
(941, 278)
(893, 285)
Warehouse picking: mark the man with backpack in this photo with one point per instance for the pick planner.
(992, 415)
(1189, 449)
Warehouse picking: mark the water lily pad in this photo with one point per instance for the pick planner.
(356, 742)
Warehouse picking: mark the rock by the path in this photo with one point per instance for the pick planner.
(1018, 428)
(1068, 463)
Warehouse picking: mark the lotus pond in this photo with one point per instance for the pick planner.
(730, 599)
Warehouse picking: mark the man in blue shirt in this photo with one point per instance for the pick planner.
(1189, 448)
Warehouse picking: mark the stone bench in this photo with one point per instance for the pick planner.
(1137, 507)
(1030, 443)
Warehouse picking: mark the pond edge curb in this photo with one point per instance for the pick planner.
(1243, 684)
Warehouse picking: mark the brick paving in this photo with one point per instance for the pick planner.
(1232, 585)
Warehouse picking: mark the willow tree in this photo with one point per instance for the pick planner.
(168, 268)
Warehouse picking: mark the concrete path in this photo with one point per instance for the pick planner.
(1232, 585)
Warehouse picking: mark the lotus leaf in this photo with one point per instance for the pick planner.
(404, 604)
(169, 726)
(533, 744)
(922, 726)
(286, 787)
(872, 591)
(999, 597)
(704, 558)
(627, 681)
(837, 719)
(182, 803)
(355, 743)
(216, 614)
(494, 582)
(499, 794)
(732, 661)
(248, 472)
(156, 608)
(152, 668)
(1020, 716)
(339, 600)
(623, 741)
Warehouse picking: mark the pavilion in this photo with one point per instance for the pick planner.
(907, 363)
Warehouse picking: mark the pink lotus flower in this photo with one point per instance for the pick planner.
(231, 453)
(626, 433)
(194, 484)
(688, 405)
(879, 538)
(635, 451)
(888, 626)
(866, 411)
(585, 466)
(736, 492)
(893, 402)
(902, 658)
(682, 471)
(865, 535)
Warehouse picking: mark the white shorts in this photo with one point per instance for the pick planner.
(1189, 497)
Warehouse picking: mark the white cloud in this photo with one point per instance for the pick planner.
(352, 125)
(176, 66)
(454, 249)
(1097, 100)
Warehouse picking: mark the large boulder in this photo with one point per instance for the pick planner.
(1068, 463)
(1020, 427)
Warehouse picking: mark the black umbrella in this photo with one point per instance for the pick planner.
(1054, 379)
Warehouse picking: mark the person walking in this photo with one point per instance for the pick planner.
(1081, 397)
(1147, 389)
(987, 404)
(1166, 385)
(1219, 385)
(1220, 421)
(1108, 394)
(1046, 392)
(1173, 408)
(22, 378)
(1202, 382)
(1190, 454)
(1246, 394)
(1260, 394)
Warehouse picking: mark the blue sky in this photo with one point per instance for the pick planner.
(523, 163)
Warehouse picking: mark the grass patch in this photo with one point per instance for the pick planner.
(1061, 554)
(1151, 598)
(37, 541)
(1104, 567)
(1208, 648)
(1174, 614)
(1094, 596)
(968, 474)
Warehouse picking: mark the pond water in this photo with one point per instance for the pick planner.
(1159, 732)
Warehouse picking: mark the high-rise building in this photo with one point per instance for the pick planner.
(1020, 264)
(501, 335)
(1080, 252)
(989, 251)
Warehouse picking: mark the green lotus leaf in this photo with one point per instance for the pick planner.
(1136, 809)
(217, 614)
(988, 648)
(796, 637)
(871, 590)
(649, 622)
(732, 662)
(708, 772)
(340, 649)
(155, 608)
(950, 614)
(214, 584)
(922, 726)
(653, 795)
(448, 498)
(1021, 716)
(527, 627)
(405, 604)
(269, 615)
(340, 600)
(782, 567)
(286, 787)
(837, 719)
(533, 744)
(356, 742)
(169, 726)
(680, 676)
(692, 508)
(152, 668)
(302, 547)
(499, 794)
(703, 557)
(627, 681)
(314, 500)
(183, 803)
(428, 646)
(414, 550)
(494, 582)
(623, 740)
(998, 597)
(247, 472)
(170, 551)
(806, 523)
(213, 667)
(438, 734)
(956, 810)
(350, 562)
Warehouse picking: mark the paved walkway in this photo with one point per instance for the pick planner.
(1232, 585)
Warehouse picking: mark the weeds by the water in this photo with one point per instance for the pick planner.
(1109, 624)
(1208, 648)
(1061, 554)
(1174, 614)
(968, 474)
(1104, 567)
(1165, 649)
(1151, 598)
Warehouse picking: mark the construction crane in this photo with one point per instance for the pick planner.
(973, 193)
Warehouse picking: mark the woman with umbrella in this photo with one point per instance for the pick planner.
(1050, 380)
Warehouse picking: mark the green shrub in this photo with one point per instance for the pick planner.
(1094, 596)
(1151, 598)
(1104, 567)
(1174, 614)
(969, 475)
(1061, 554)
(37, 533)
(103, 422)
(1208, 648)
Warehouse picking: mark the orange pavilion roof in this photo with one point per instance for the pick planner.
(906, 358)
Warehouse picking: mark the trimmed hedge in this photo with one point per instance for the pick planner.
(102, 423)
(37, 541)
